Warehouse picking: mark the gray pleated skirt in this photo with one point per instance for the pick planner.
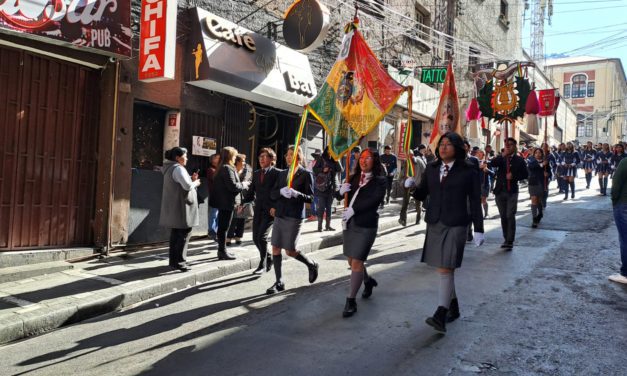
(358, 241)
(285, 233)
(536, 190)
(444, 245)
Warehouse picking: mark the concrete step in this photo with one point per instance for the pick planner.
(16, 273)
(36, 256)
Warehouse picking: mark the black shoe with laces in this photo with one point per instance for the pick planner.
(369, 284)
(277, 287)
(453, 311)
(350, 308)
(438, 320)
(313, 272)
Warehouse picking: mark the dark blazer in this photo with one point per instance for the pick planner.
(368, 200)
(517, 167)
(536, 172)
(261, 192)
(293, 207)
(226, 186)
(456, 202)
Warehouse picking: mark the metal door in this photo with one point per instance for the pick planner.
(48, 129)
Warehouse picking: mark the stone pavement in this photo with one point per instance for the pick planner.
(39, 304)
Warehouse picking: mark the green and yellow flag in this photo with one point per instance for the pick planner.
(356, 94)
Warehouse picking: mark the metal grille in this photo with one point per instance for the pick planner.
(49, 129)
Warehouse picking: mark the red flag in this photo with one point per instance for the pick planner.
(447, 116)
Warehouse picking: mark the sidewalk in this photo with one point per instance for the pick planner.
(36, 305)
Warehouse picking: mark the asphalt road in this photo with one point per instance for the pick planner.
(545, 308)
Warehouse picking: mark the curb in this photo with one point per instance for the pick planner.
(70, 310)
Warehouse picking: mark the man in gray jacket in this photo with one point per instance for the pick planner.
(179, 205)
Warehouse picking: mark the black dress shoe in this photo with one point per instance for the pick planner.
(182, 268)
(438, 320)
(369, 284)
(329, 228)
(453, 311)
(277, 287)
(260, 270)
(225, 256)
(313, 272)
(350, 308)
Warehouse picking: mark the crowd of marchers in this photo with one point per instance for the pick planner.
(451, 185)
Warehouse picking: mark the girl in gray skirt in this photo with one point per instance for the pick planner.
(452, 184)
(360, 220)
(289, 215)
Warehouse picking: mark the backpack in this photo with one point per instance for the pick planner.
(322, 181)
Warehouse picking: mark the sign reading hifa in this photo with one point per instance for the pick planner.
(547, 102)
(157, 44)
(435, 75)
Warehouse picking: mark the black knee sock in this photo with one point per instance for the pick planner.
(572, 188)
(566, 188)
(601, 184)
(588, 178)
(304, 259)
(366, 276)
(605, 184)
(277, 261)
(534, 211)
(539, 211)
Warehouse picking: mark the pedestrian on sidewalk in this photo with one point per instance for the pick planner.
(539, 176)
(315, 156)
(326, 184)
(419, 167)
(604, 157)
(452, 183)
(360, 220)
(212, 224)
(241, 210)
(486, 176)
(226, 186)
(569, 161)
(289, 216)
(511, 169)
(619, 203)
(263, 182)
(389, 160)
(179, 205)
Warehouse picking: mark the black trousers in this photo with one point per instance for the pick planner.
(224, 222)
(388, 187)
(262, 223)
(179, 240)
(236, 230)
(325, 205)
(405, 206)
(507, 203)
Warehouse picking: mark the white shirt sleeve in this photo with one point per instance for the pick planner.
(181, 176)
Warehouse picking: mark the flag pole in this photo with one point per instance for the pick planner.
(299, 135)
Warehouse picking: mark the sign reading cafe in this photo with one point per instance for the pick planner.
(101, 25)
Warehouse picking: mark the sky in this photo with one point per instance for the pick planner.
(584, 28)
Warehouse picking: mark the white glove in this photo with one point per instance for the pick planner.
(285, 192)
(294, 193)
(348, 213)
(246, 184)
(563, 163)
(346, 187)
(409, 183)
(479, 238)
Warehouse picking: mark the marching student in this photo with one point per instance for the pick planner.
(289, 216)
(569, 161)
(486, 175)
(588, 156)
(262, 183)
(604, 158)
(452, 184)
(511, 168)
(539, 176)
(366, 189)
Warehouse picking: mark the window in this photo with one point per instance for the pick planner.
(503, 15)
(581, 128)
(567, 91)
(473, 58)
(589, 127)
(591, 88)
(578, 89)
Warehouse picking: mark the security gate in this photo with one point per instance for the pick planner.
(48, 138)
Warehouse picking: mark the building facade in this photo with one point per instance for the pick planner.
(596, 87)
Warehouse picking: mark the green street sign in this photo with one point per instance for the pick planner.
(433, 75)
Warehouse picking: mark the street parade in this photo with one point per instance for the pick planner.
(313, 187)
